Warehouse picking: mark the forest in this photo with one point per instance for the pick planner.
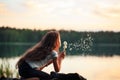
(92, 43)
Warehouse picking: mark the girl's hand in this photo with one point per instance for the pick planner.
(62, 54)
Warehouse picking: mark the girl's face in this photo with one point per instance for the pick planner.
(58, 43)
(59, 40)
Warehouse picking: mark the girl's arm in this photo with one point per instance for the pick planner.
(57, 61)
(45, 65)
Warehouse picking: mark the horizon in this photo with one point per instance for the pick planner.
(78, 15)
(54, 29)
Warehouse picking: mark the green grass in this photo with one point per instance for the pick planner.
(6, 70)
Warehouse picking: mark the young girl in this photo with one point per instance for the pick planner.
(40, 56)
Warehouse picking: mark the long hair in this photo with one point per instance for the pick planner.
(41, 49)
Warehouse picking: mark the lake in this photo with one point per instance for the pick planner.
(95, 67)
(16, 49)
(91, 67)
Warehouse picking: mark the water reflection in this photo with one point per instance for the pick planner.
(16, 49)
(93, 68)
(13, 49)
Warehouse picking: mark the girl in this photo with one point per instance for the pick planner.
(40, 56)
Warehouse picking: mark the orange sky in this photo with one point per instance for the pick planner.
(80, 15)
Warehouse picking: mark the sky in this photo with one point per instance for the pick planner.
(80, 15)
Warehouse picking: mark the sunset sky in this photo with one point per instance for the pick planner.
(80, 15)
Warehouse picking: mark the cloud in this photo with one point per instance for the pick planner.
(4, 11)
(53, 8)
(107, 11)
(30, 4)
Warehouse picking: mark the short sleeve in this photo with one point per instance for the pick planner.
(54, 54)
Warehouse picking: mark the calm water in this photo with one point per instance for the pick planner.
(93, 68)
(16, 49)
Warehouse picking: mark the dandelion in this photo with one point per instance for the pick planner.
(65, 45)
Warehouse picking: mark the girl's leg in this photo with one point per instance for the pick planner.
(26, 71)
(42, 75)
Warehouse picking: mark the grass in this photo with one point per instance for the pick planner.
(6, 70)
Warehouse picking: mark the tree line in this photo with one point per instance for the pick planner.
(8, 35)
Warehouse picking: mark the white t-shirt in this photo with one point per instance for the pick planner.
(36, 64)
